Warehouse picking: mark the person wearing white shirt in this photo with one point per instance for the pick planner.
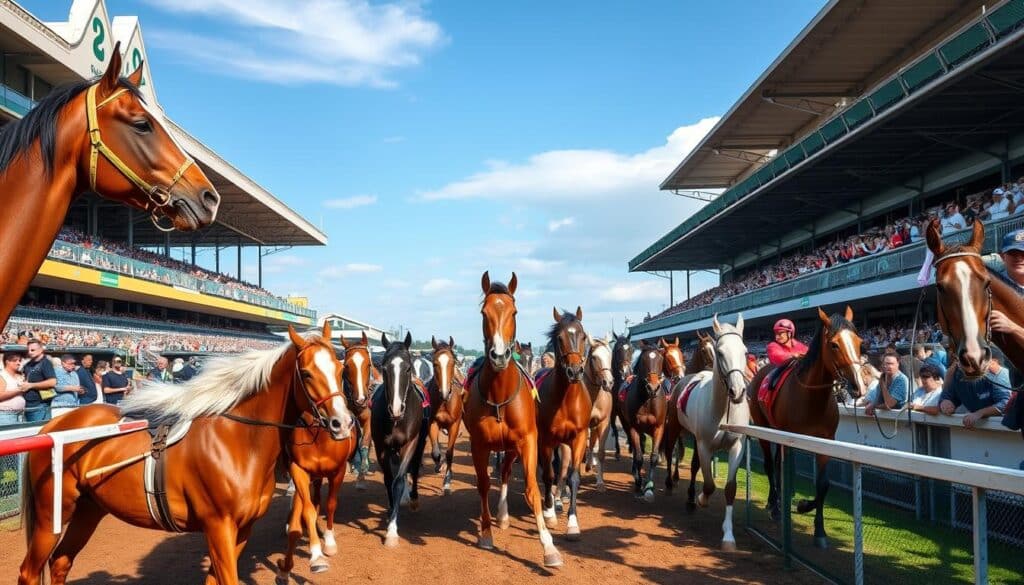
(926, 398)
(1000, 205)
(953, 220)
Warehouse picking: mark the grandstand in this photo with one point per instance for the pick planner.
(110, 281)
(874, 118)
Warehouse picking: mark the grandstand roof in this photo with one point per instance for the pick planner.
(848, 47)
(63, 52)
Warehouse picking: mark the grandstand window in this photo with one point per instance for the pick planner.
(40, 88)
(1007, 18)
(16, 77)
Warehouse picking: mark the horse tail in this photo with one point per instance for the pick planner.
(28, 504)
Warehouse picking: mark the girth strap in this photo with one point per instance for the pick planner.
(156, 481)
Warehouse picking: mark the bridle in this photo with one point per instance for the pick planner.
(451, 381)
(511, 343)
(350, 387)
(988, 292)
(720, 368)
(159, 196)
(315, 405)
(591, 374)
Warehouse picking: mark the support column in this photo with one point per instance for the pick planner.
(131, 227)
(167, 244)
(193, 253)
(687, 285)
(671, 289)
(238, 248)
(216, 256)
(259, 267)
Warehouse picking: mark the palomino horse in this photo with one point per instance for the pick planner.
(563, 417)
(358, 380)
(316, 455)
(703, 359)
(967, 293)
(446, 397)
(501, 415)
(644, 407)
(805, 404)
(401, 417)
(600, 381)
(622, 367)
(715, 398)
(219, 478)
(94, 136)
(525, 351)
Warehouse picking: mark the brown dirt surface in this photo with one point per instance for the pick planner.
(624, 541)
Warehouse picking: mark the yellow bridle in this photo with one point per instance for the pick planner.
(159, 196)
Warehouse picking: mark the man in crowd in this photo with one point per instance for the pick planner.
(953, 220)
(187, 371)
(115, 382)
(981, 398)
(997, 373)
(39, 376)
(68, 387)
(893, 387)
(926, 398)
(161, 372)
(86, 381)
(1000, 205)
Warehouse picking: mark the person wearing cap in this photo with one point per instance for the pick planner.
(785, 346)
(953, 220)
(1009, 266)
(1000, 205)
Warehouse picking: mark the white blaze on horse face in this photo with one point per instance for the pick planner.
(357, 361)
(847, 336)
(970, 317)
(325, 363)
(443, 380)
(396, 400)
(602, 355)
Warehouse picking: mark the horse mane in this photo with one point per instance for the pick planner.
(41, 123)
(839, 323)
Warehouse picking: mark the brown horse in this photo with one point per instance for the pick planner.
(219, 477)
(563, 417)
(672, 442)
(359, 379)
(446, 395)
(805, 404)
(966, 294)
(501, 416)
(600, 383)
(644, 410)
(53, 154)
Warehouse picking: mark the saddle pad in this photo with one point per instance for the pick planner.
(767, 394)
(684, 396)
(541, 376)
(624, 388)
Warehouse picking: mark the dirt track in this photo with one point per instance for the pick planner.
(624, 541)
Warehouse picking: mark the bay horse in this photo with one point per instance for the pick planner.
(703, 359)
(644, 406)
(622, 367)
(966, 293)
(563, 417)
(805, 404)
(219, 477)
(501, 415)
(96, 136)
(715, 398)
(359, 379)
(525, 351)
(400, 419)
(446, 397)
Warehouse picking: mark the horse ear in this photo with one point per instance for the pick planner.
(433, 342)
(366, 341)
(451, 343)
(135, 77)
(384, 340)
(849, 310)
(512, 284)
(485, 282)
(554, 313)
(739, 323)
(978, 236)
(579, 313)
(297, 340)
(519, 348)
(345, 343)
(676, 342)
(715, 324)
(933, 235)
(326, 332)
(824, 319)
(109, 81)
(408, 339)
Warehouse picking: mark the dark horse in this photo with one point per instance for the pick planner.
(805, 404)
(525, 351)
(564, 413)
(400, 417)
(622, 365)
(644, 410)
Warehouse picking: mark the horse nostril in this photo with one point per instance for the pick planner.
(210, 199)
(335, 424)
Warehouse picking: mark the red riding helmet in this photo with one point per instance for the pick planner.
(784, 325)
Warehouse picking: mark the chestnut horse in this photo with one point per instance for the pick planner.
(563, 417)
(446, 398)
(703, 360)
(644, 410)
(53, 154)
(359, 379)
(501, 415)
(219, 477)
(805, 404)
(622, 367)
(966, 293)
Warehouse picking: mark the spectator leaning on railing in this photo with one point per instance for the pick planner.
(926, 398)
(981, 398)
(893, 387)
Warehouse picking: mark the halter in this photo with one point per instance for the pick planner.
(450, 382)
(499, 405)
(159, 196)
(346, 385)
(588, 372)
(718, 363)
(315, 405)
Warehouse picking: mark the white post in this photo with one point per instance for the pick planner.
(858, 525)
(980, 535)
(57, 457)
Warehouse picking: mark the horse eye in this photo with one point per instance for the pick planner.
(142, 126)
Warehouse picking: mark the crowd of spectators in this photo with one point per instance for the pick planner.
(94, 312)
(1000, 203)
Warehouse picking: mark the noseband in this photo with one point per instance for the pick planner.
(159, 196)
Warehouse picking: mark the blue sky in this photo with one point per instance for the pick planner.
(434, 140)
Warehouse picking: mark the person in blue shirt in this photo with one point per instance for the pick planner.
(981, 398)
(893, 387)
(86, 381)
(68, 387)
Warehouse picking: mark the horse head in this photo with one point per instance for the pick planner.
(499, 320)
(839, 346)
(704, 355)
(730, 357)
(963, 288)
(357, 372)
(397, 371)
(319, 379)
(525, 351)
(650, 368)
(444, 365)
(571, 343)
(599, 364)
(133, 158)
(622, 356)
(675, 362)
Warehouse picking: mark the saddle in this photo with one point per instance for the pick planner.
(768, 391)
(154, 471)
(684, 396)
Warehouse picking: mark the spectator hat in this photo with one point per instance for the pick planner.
(784, 325)
(998, 191)
(1013, 241)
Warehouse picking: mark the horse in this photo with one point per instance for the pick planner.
(423, 368)
(600, 382)
(644, 406)
(703, 359)
(804, 404)
(525, 351)
(93, 136)
(315, 455)
(622, 364)
(501, 415)
(712, 399)
(359, 378)
(966, 294)
(446, 396)
(400, 412)
(219, 478)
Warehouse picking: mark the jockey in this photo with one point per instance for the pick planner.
(785, 346)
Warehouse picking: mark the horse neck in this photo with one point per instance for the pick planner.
(1006, 300)
(814, 374)
(719, 396)
(274, 403)
(500, 385)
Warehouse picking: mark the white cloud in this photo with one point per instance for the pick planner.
(345, 42)
(576, 174)
(436, 286)
(339, 271)
(557, 224)
(644, 290)
(351, 202)
(395, 283)
(277, 264)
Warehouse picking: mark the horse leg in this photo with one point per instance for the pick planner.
(652, 466)
(818, 504)
(707, 470)
(293, 529)
(80, 528)
(481, 461)
(398, 488)
(770, 469)
(682, 454)
(38, 514)
(506, 477)
(435, 446)
(333, 486)
(691, 492)
(449, 456)
(547, 455)
(528, 452)
(735, 453)
(364, 454)
(615, 433)
(414, 466)
(304, 496)
(578, 453)
(669, 447)
(561, 474)
(636, 448)
(597, 441)
(222, 540)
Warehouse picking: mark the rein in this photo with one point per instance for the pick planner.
(499, 405)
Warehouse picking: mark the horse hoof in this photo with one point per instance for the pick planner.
(821, 542)
(447, 490)
(573, 534)
(319, 566)
(553, 559)
(486, 543)
(281, 580)
(503, 523)
(804, 506)
(729, 546)
(648, 497)
(391, 541)
(330, 549)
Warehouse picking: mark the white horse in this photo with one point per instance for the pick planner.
(719, 397)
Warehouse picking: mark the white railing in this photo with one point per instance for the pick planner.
(979, 477)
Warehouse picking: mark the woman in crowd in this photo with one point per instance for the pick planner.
(12, 400)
